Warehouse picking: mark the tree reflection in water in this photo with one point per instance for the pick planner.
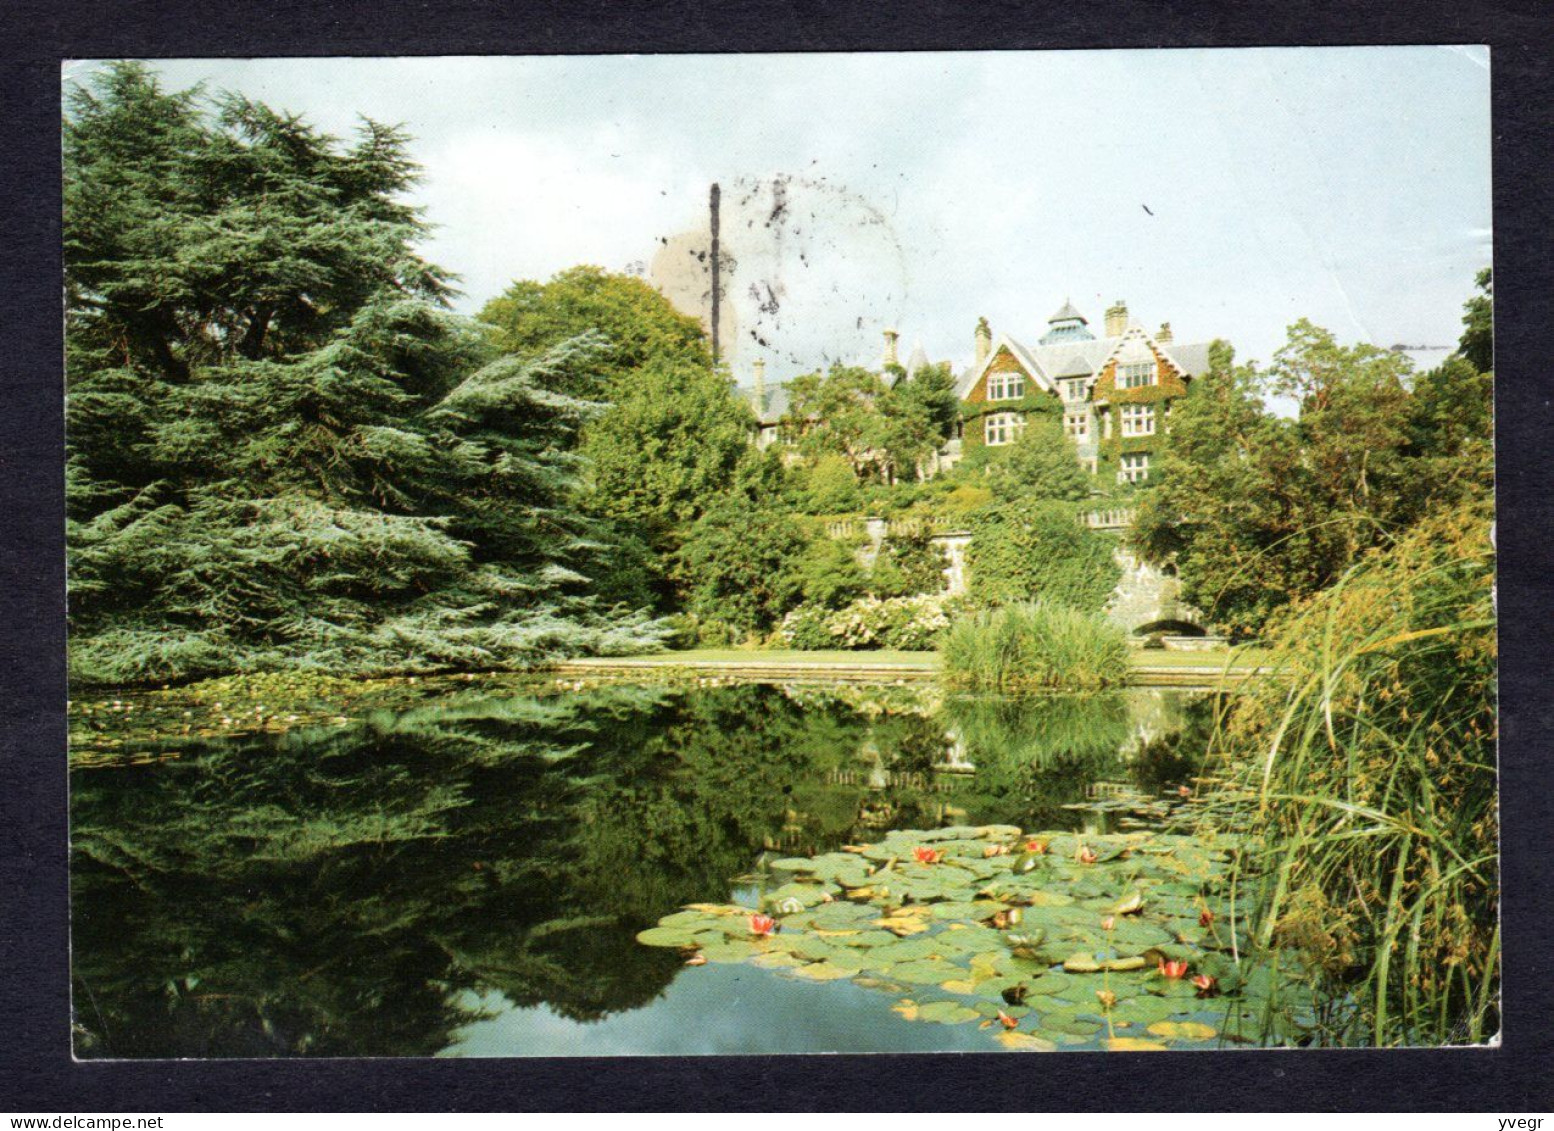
(333, 891)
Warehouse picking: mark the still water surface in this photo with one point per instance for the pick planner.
(465, 876)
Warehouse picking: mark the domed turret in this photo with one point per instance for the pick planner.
(1067, 325)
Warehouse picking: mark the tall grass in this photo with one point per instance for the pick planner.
(1367, 770)
(1034, 647)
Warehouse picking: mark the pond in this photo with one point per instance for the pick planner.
(466, 871)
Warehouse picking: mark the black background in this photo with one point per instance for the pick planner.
(36, 1070)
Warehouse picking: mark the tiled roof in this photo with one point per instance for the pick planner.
(1193, 357)
(1067, 359)
(1067, 314)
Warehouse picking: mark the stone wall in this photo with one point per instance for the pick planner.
(1146, 594)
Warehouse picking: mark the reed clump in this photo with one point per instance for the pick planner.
(1368, 770)
(1034, 646)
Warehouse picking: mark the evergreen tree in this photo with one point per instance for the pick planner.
(283, 449)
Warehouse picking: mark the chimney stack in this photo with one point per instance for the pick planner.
(1117, 319)
(890, 347)
(760, 386)
(1165, 333)
(984, 340)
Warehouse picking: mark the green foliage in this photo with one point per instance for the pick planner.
(830, 486)
(1042, 464)
(283, 452)
(908, 564)
(1477, 345)
(1374, 833)
(1259, 511)
(837, 413)
(1026, 549)
(828, 573)
(638, 323)
(671, 440)
(736, 564)
(1034, 646)
(883, 431)
(919, 414)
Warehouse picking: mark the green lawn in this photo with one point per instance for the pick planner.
(1239, 657)
(792, 655)
(1243, 657)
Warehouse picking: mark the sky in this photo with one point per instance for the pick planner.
(1229, 192)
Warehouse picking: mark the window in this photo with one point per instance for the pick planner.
(1138, 420)
(1005, 386)
(1077, 424)
(1003, 428)
(1073, 391)
(1136, 376)
(1134, 468)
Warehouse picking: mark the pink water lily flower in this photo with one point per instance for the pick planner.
(1173, 969)
(762, 925)
(1207, 986)
(927, 855)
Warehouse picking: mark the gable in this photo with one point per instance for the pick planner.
(1002, 360)
(1136, 347)
(1011, 357)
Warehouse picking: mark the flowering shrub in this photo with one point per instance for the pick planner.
(906, 623)
(808, 627)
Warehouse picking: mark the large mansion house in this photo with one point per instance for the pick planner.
(1114, 392)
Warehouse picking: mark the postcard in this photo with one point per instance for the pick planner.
(748, 554)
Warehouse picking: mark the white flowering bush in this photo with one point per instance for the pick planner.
(905, 623)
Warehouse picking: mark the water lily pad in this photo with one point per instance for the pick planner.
(792, 864)
(797, 897)
(1017, 1041)
(925, 971)
(1133, 1044)
(904, 950)
(842, 915)
(1071, 1024)
(692, 919)
(1147, 1008)
(1184, 1030)
(667, 936)
(731, 950)
(867, 938)
(1049, 984)
(902, 925)
(946, 1013)
(1081, 963)
(810, 947)
(823, 972)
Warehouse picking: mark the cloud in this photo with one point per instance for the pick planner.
(1226, 191)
